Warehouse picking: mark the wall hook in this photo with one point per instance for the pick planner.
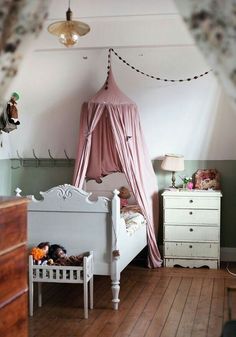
(49, 152)
(38, 160)
(67, 157)
(50, 155)
(20, 159)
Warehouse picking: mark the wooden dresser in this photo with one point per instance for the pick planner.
(13, 267)
(192, 228)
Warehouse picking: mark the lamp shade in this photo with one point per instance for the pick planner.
(173, 163)
(68, 31)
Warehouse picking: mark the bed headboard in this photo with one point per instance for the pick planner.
(67, 216)
(108, 184)
(69, 198)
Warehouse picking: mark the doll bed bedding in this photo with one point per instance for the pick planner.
(67, 215)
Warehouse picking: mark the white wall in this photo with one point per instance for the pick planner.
(191, 118)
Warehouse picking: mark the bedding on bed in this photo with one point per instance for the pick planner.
(133, 218)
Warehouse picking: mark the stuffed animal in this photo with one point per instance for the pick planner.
(69, 260)
(56, 251)
(124, 206)
(124, 196)
(58, 257)
(12, 111)
(40, 253)
(45, 247)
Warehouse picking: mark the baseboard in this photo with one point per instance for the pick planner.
(228, 254)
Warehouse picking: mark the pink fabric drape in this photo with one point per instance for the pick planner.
(111, 140)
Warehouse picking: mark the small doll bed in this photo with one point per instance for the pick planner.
(67, 215)
(62, 274)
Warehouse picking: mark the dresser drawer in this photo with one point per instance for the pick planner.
(192, 202)
(13, 225)
(191, 216)
(191, 249)
(13, 275)
(191, 233)
(13, 322)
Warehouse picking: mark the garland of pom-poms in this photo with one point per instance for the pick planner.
(145, 74)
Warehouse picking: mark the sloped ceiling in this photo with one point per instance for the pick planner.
(54, 81)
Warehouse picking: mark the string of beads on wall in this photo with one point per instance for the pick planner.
(148, 75)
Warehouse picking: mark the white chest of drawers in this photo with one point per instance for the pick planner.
(191, 228)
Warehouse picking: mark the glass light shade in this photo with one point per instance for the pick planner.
(173, 163)
(68, 31)
(68, 39)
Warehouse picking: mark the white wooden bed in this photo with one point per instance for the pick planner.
(66, 215)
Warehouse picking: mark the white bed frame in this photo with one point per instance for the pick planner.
(68, 217)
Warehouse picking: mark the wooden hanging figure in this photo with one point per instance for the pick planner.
(12, 111)
(9, 115)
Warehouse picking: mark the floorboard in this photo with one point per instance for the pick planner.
(163, 302)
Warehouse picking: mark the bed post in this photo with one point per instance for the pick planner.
(115, 254)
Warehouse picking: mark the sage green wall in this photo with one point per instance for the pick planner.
(5, 177)
(34, 179)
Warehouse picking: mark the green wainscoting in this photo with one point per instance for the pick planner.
(41, 176)
(34, 179)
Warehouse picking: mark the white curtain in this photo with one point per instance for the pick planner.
(213, 26)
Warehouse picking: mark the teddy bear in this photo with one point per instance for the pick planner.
(124, 205)
(124, 196)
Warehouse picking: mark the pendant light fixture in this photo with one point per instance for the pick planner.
(68, 31)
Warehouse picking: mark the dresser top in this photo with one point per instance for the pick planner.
(190, 193)
(11, 201)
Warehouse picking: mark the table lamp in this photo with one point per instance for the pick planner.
(173, 163)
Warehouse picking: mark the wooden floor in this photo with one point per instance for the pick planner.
(164, 302)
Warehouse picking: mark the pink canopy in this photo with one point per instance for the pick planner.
(111, 140)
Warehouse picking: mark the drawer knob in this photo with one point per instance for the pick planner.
(190, 213)
(191, 230)
(191, 201)
(190, 246)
